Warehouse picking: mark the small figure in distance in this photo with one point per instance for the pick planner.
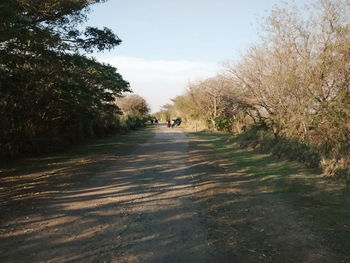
(154, 120)
(168, 124)
(173, 123)
(178, 122)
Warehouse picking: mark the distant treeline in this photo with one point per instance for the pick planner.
(51, 93)
(289, 94)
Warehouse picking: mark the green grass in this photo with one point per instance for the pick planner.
(325, 204)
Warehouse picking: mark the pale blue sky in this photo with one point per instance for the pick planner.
(167, 43)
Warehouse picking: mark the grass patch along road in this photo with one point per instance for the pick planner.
(268, 209)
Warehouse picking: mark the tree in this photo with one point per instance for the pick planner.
(293, 85)
(133, 105)
(50, 94)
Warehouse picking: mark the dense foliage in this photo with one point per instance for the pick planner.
(134, 105)
(135, 111)
(290, 93)
(51, 93)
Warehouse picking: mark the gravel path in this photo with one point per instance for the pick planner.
(140, 210)
(161, 202)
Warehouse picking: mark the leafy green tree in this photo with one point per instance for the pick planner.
(50, 93)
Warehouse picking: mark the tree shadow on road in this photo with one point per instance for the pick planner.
(140, 209)
(158, 204)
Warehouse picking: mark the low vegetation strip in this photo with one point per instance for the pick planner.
(323, 205)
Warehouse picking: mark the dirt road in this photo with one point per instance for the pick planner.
(140, 210)
(163, 202)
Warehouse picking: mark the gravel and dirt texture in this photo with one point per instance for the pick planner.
(168, 199)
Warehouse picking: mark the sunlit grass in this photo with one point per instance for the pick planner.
(325, 204)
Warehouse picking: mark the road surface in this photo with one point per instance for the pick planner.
(161, 202)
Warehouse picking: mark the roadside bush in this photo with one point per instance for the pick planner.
(261, 138)
(131, 122)
(339, 169)
(223, 124)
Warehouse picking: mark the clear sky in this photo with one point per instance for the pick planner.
(167, 43)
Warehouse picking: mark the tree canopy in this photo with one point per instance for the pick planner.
(51, 92)
(133, 105)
